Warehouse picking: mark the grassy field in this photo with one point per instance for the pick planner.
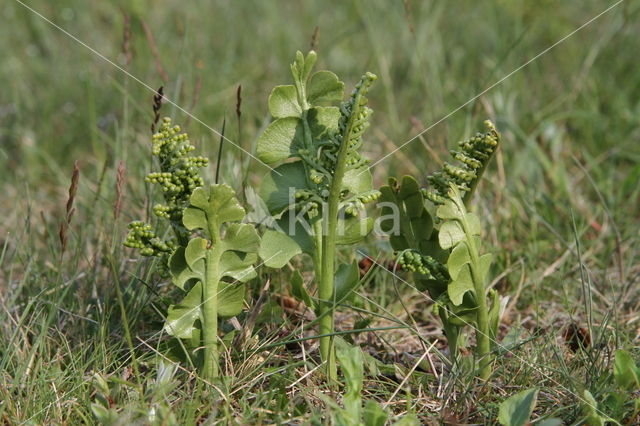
(560, 206)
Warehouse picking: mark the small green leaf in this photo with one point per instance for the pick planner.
(279, 187)
(357, 181)
(408, 188)
(199, 198)
(223, 205)
(182, 317)
(450, 234)
(462, 284)
(625, 371)
(323, 121)
(299, 291)
(230, 299)
(517, 409)
(324, 86)
(241, 237)
(218, 205)
(457, 259)
(347, 279)
(196, 250)
(297, 231)
(283, 102)
(448, 211)
(237, 265)
(474, 223)
(277, 249)
(280, 140)
(180, 270)
(306, 65)
(193, 218)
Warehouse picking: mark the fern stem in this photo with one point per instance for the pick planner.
(483, 345)
(210, 307)
(326, 289)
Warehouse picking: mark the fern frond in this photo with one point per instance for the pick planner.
(473, 156)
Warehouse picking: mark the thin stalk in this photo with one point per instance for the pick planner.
(317, 256)
(326, 289)
(210, 306)
(483, 345)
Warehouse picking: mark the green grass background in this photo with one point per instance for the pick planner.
(560, 205)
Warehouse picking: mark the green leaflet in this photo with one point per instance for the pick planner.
(286, 138)
(324, 86)
(283, 102)
(278, 248)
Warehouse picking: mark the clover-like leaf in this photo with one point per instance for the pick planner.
(450, 234)
(324, 86)
(217, 205)
(195, 252)
(462, 284)
(181, 318)
(180, 270)
(283, 102)
(357, 181)
(298, 231)
(280, 140)
(458, 258)
(284, 137)
(230, 299)
(241, 237)
(279, 187)
(237, 265)
(277, 249)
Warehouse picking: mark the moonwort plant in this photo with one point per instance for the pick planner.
(319, 190)
(444, 254)
(210, 253)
